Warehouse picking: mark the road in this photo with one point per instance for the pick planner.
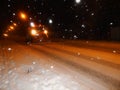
(60, 65)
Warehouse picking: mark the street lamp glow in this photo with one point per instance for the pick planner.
(6, 35)
(14, 24)
(11, 27)
(23, 15)
(33, 32)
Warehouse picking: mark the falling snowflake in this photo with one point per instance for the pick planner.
(78, 53)
(114, 51)
(51, 67)
(111, 23)
(66, 30)
(34, 62)
(9, 5)
(71, 30)
(75, 37)
(63, 36)
(50, 21)
(9, 49)
(92, 14)
(13, 14)
(83, 26)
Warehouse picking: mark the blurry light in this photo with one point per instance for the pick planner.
(40, 25)
(13, 14)
(92, 14)
(30, 18)
(50, 21)
(9, 49)
(111, 23)
(9, 5)
(45, 31)
(77, 1)
(23, 15)
(83, 26)
(32, 24)
(14, 24)
(33, 32)
(11, 21)
(11, 27)
(6, 35)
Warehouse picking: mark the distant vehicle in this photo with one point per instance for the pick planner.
(37, 34)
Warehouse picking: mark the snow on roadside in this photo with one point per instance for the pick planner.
(35, 77)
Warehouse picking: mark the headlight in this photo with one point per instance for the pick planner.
(33, 32)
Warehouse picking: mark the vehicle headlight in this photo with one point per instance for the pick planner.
(33, 32)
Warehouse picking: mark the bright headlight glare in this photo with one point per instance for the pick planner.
(33, 32)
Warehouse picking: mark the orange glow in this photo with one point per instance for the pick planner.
(14, 24)
(33, 32)
(6, 35)
(11, 27)
(23, 15)
(45, 31)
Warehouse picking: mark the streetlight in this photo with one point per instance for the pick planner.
(11, 27)
(5, 35)
(23, 15)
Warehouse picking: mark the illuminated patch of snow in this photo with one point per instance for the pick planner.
(37, 79)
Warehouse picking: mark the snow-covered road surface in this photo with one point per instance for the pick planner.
(66, 65)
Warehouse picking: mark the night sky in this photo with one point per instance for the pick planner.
(84, 19)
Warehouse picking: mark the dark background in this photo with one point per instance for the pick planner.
(98, 16)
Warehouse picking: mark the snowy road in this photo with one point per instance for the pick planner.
(63, 65)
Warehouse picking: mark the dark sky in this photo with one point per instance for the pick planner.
(3, 13)
(68, 16)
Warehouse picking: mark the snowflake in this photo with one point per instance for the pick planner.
(50, 21)
(83, 26)
(111, 23)
(75, 36)
(92, 14)
(13, 14)
(9, 5)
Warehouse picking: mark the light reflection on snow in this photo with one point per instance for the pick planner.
(38, 78)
